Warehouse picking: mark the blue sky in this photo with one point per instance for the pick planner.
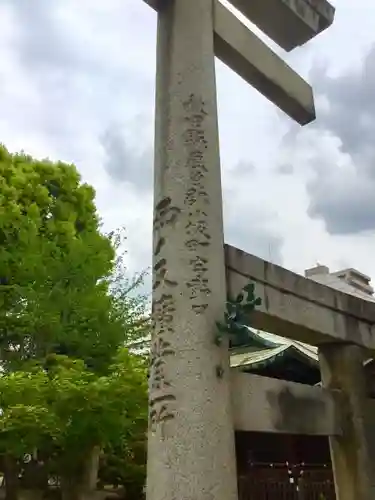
(77, 84)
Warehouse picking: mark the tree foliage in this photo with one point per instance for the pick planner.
(25, 418)
(66, 311)
(52, 259)
(70, 408)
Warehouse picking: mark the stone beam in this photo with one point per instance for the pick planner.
(289, 23)
(261, 404)
(243, 52)
(299, 308)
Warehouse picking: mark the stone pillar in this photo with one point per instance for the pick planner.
(342, 369)
(191, 451)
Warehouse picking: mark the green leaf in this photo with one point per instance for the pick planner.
(66, 311)
(237, 312)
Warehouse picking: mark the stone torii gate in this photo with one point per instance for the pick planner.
(343, 327)
(194, 409)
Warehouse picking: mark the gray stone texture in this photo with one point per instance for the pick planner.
(342, 369)
(262, 404)
(300, 308)
(292, 22)
(246, 54)
(191, 439)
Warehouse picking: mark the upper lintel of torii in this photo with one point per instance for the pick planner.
(289, 23)
(292, 23)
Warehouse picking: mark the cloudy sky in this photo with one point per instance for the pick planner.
(77, 84)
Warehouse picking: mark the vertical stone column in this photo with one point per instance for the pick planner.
(191, 439)
(342, 369)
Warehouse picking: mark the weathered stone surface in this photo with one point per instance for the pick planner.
(370, 434)
(191, 439)
(246, 54)
(297, 307)
(262, 404)
(342, 369)
(243, 52)
(289, 23)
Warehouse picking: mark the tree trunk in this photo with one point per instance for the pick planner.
(70, 489)
(90, 470)
(32, 495)
(35, 476)
(11, 478)
(82, 487)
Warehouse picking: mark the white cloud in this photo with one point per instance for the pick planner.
(77, 84)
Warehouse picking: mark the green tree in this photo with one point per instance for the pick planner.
(66, 311)
(53, 261)
(71, 415)
(94, 414)
(26, 422)
(123, 461)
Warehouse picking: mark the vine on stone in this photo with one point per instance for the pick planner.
(236, 315)
(234, 324)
